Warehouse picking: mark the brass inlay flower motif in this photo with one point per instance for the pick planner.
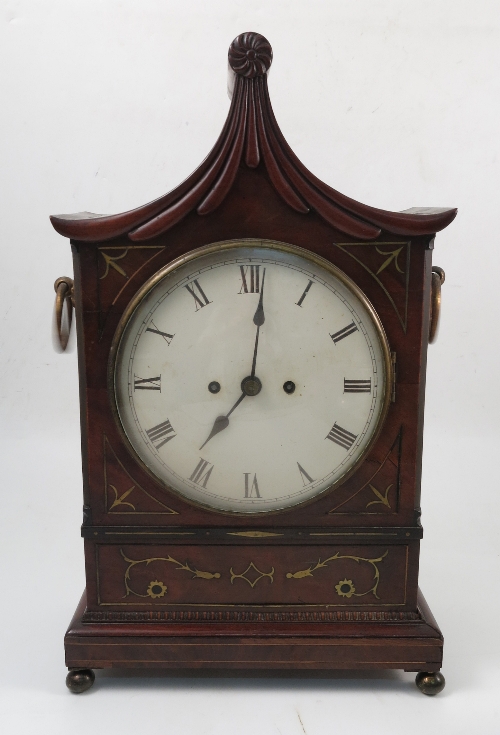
(156, 589)
(345, 588)
(197, 574)
(252, 583)
(350, 591)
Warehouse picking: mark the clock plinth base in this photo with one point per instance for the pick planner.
(412, 645)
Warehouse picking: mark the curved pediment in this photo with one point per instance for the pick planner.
(251, 137)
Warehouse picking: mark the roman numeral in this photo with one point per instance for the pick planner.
(299, 302)
(357, 386)
(341, 436)
(161, 434)
(350, 329)
(304, 476)
(198, 302)
(167, 337)
(147, 383)
(253, 488)
(201, 474)
(252, 284)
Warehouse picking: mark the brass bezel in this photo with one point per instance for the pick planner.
(228, 245)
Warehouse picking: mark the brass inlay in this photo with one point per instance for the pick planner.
(121, 500)
(382, 499)
(152, 591)
(165, 509)
(254, 534)
(156, 589)
(388, 454)
(257, 579)
(393, 257)
(345, 588)
(110, 261)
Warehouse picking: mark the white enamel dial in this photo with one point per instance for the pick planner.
(310, 346)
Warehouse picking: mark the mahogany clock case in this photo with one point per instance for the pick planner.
(330, 584)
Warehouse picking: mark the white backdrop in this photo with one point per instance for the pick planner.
(107, 104)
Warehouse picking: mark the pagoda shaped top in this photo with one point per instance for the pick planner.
(251, 136)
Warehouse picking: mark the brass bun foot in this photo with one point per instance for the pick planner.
(430, 683)
(79, 680)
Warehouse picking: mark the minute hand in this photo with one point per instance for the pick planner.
(258, 320)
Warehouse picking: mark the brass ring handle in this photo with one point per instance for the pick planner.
(438, 278)
(63, 317)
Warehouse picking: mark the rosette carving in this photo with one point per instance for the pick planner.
(250, 55)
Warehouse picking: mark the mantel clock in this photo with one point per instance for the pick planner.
(252, 351)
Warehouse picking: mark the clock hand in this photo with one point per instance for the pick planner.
(250, 386)
(258, 320)
(222, 422)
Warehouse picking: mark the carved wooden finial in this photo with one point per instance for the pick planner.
(251, 137)
(250, 55)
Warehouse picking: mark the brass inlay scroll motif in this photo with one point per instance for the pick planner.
(121, 500)
(249, 568)
(110, 261)
(394, 257)
(345, 587)
(114, 475)
(391, 459)
(382, 499)
(124, 260)
(157, 588)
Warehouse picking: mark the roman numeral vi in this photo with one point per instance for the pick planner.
(253, 488)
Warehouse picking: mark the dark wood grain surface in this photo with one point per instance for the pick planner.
(253, 186)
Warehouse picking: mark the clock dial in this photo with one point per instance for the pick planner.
(250, 376)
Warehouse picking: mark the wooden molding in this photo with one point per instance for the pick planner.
(251, 137)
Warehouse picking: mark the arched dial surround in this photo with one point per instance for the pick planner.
(250, 376)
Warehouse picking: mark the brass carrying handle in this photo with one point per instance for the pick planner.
(438, 278)
(63, 312)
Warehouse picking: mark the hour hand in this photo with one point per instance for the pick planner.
(222, 422)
